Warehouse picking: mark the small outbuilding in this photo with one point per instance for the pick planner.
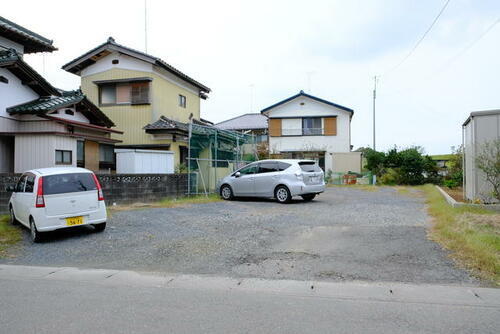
(479, 128)
(136, 161)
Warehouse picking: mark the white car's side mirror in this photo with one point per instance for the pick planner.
(237, 174)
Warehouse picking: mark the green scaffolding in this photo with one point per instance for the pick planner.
(213, 154)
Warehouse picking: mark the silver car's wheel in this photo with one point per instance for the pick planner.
(283, 194)
(226, 192)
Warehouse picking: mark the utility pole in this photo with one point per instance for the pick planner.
(374, 99)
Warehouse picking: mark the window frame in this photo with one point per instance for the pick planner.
(304, 129)
(62, 157)
(124, 83)
(276, 167)
(182, 101)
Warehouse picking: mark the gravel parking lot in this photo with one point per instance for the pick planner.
(345, 234)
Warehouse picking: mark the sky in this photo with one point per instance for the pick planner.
(253, 54)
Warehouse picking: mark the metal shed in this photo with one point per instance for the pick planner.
(479, 128)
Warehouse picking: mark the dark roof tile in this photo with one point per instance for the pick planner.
(31, 41)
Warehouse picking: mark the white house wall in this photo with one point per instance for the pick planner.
(38, 151)
(12, 93)
(124, 62)
(77, 116)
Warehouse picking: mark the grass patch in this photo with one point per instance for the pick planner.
(472, 234)
(9, 235)
(365, 187)
(168, 202)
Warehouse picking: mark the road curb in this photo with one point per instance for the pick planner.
(389, 292)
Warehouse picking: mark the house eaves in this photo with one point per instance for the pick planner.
(31, 41)
(303, 94)
(92, 56)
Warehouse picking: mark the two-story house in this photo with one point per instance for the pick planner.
(150, 100)
(305, 126)
(40, 125)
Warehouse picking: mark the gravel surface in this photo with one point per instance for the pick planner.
(344, 234)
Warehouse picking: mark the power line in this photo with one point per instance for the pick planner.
(466, 48)
(421, 38)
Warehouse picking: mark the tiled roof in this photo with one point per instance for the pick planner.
(164, 123)
(31, 41)
(46, 104)
(12, 61)
(85, 60)
(250, 121)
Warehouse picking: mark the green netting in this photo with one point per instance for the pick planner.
(215, 153)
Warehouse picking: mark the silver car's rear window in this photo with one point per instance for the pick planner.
(68, 183)
(309, 166)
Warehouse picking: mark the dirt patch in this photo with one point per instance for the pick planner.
(456, 193)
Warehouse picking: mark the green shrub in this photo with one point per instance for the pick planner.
(391, 176)
(408, 166)
(450, 183)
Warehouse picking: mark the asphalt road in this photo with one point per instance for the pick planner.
(66, 300)
(344, 235)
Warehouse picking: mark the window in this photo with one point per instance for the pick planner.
(80, 153)
(282, 166)
(124, 93)
(311, 126)
(140, 93)
(183, 150)
(250, 169)
(309, 166)
(30, 183)
(107, 157)
(260, 139)
(182, 101)
(268, 167)
(68, 183)
(64, 157)
(20, 184)
(106, 153)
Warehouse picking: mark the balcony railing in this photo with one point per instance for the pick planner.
(302, 132)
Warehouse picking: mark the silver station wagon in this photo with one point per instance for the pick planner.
(279, 179)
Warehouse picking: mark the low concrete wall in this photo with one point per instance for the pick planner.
(455, 204)
(120, 188)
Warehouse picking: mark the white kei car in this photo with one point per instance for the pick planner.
(49, 199)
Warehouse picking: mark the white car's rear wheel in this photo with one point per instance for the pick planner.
(35, 235)
(12, 219)
(99, 227)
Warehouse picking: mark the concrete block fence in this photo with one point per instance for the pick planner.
(120, 188)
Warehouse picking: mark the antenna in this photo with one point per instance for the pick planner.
(375, 79)
(251, 97)
(146, 26)
(309, 74)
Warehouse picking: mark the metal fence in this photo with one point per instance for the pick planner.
(215, 153)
